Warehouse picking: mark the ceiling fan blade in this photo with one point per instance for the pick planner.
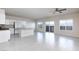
(63, 9)
(60, 10)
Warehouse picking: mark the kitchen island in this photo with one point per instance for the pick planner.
(24, 32)
(4, 35)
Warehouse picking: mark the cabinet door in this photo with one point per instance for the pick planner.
(2, 16)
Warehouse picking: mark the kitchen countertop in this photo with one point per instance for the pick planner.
(4, 29)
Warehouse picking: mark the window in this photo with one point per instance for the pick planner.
(40, 25)
(66, 24)
(62, 27)
(68, 27)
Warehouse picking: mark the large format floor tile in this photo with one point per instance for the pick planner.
(41, 42)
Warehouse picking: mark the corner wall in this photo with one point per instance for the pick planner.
(74, 32)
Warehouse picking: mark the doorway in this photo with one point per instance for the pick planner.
(49, 26)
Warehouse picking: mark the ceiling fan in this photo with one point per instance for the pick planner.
(60, 10)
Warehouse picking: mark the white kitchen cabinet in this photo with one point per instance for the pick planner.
(2, 16)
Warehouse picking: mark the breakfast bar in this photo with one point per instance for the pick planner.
(4, 35)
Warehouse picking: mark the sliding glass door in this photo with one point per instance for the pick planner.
(49, 26)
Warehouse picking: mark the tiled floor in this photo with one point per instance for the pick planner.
(41, 42)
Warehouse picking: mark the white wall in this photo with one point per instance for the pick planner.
(56, 19)
(74, 32)
(2, 16)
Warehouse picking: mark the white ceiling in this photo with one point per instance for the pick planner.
(36, 13)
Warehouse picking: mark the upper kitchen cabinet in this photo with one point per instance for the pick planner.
(2, 16)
